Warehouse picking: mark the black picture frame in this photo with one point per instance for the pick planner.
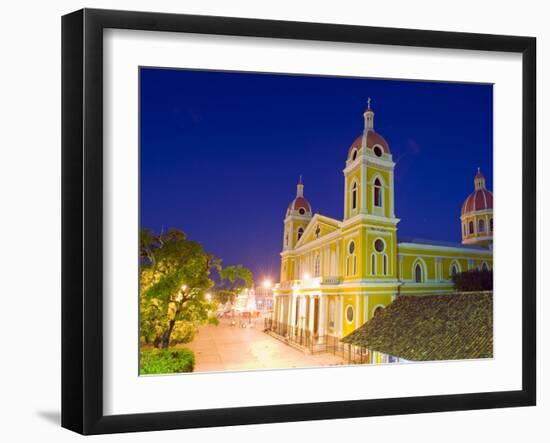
(82, 218)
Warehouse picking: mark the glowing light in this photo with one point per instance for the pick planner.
(184, 288)
(267, 284)
(208, 296)
(307, 276)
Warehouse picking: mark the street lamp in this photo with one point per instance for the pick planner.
(208, 296)
(267, 284)
(306, 276)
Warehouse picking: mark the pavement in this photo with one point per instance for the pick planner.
(234, 348)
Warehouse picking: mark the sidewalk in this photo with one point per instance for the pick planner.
(232, 348)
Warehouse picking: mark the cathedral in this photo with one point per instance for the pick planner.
(338, 274)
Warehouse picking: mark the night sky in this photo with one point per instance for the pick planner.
(221, 153)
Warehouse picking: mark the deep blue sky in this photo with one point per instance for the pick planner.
(221, 153)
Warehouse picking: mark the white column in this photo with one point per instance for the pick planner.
(311, 313)
(292, 310)
(322, 314)
(338, 259)
(357, 308)
(363, 187)
(392, 205)
(339, 313)
(345, 197)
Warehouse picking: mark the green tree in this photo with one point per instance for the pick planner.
(233, 280)
(174, 277)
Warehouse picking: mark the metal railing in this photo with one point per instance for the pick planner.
(319, 344)
(331, 280)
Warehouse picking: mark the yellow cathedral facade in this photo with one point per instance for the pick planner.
(338, 274)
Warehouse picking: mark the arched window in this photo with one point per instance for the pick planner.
(481, 225)
(491, 224)
(377, 311)
(300, 233)
(471, 227)
(454, 270)
(302, 211)
(354, 195)
(373, 264)
(351, 260)
(385, 264)
(317, 267)
(484, 266)
(377, 193)
(354, 154)
(377, 151)
(418, 277)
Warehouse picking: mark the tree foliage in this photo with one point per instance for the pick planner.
(473, 280)
(174, 277)
(233, 279)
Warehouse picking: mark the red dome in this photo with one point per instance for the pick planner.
(478, 201)
(299, 202)
(373, 139)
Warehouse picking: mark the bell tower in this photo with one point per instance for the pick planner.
(369, 173)
(297, 217)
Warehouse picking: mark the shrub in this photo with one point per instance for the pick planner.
(213, 320)
(473, 280)
(184, 332)
(166, 361)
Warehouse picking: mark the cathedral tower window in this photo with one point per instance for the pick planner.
(354, 195)
(377, 193)
(351, 260)
(300, 233)
(491, 224)
(471, 227)
(385, 262)
(481, 225)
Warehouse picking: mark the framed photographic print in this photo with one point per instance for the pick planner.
(269, 221)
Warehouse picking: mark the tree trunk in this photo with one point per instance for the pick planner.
(167, 334)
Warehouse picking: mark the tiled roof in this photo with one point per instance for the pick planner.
(373, 138)
(431, 327)
(477, 201)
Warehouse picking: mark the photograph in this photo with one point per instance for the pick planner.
(303, 221)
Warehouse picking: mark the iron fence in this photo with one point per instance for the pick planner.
(319, 344)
